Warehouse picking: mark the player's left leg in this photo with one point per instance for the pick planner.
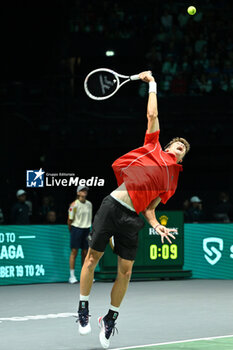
(107, 323)
(86, 282)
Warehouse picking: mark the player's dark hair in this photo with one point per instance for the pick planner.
(179, 139)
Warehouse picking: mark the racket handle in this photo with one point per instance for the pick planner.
(134, 77)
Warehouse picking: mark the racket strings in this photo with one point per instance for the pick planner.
(101, 84)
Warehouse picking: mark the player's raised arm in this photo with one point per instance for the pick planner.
(152, 107)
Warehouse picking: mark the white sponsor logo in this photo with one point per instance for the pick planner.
(213, 254)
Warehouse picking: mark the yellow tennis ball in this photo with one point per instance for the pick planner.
(191, 10)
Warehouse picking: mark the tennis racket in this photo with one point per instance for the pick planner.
(103, 83)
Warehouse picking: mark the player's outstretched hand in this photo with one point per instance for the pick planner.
(146, 76)
(165, 232)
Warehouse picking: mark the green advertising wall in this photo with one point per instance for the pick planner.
(209, 250)
(35, 254)
(40, 254)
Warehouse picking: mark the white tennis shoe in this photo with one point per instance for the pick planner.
(84, 321)
(107, 327)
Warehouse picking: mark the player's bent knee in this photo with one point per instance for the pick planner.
(125, 270)
(125, 273)
(91, 263)
(128, 274)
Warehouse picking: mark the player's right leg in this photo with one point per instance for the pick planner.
(108, 322)
(86, 281)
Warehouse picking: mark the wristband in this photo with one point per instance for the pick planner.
(152, 86)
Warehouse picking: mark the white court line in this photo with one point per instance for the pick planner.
(173, 342)
(27, 237)
(37, 317)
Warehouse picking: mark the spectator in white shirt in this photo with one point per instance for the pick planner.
(79, 223)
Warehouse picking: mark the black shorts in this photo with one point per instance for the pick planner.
(78, 237)
(113, 219)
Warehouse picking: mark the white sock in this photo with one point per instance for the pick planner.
(114, 308)
(72, 273)
(84, 297)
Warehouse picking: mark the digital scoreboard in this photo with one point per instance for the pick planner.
(154, 259)
(165, 252)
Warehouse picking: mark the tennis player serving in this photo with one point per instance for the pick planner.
(145, 176)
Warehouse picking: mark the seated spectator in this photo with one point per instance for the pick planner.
(47, 205)
(179, 84)
(1, 217)
(172, 50)
(166, 84)
(205, 84)
(224, 83)
(177, 34)
(194, 86)
(20, 210)
(200, 62)
(154, 56)
(99, 26)
(169, 66)
(142, 90)
(195, 212)
(186, 206)
(198, 17)
(161, 36)
(167, 20)
(213, 72)
(183, 19)
(51, 217)
(223, 211)
(228, 67)
(29, 204)
(231, 83)
(200, 43)
(186, 65)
